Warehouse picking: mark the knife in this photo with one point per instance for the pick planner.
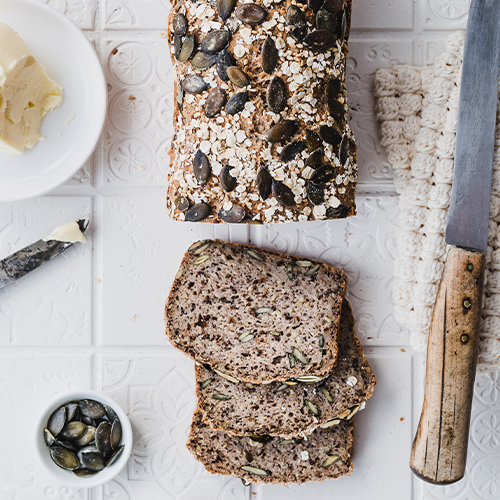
(439, 451)
(24, 261)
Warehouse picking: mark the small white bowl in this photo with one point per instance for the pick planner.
(67, 477)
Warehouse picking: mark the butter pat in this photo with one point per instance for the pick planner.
(27, 94)
(67, 233)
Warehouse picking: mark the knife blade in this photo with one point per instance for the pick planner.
(33, 256)
(439, 451)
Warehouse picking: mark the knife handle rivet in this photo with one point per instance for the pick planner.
(470, 267)
(467, 304)
(464, 338)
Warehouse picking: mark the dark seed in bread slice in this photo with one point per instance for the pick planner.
(325, 454)
(255, 315)
(278, 409)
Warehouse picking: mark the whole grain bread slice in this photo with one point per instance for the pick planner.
(278, 409)
(255, 315)
(325, 454)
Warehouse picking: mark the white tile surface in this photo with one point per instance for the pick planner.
(94, 317)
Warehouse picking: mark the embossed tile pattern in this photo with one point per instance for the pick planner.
(94, 317)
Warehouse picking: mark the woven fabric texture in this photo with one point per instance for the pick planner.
(417, 109)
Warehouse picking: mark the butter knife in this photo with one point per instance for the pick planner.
(439, 451)
(33, 256)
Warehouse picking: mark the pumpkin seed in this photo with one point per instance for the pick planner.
(310, 272)
(320, 40)
(234, 215)
(282, 387)
(329, 135)
(88, 420)
(236, 103)
(322, 175)
(334, 5)
(343, 27)
(181, 203)
(48, 437)
(177, 46)
(300, 357)
(290, 151)
(255, 470)
(309, 379)
(291, 383)
(283, 194)
(263, 310)
(291, 360)
(215, 102)
(339, 212)
(260, 439)
(281, 131)
(344, 150)
(215, 41)
(269, 55)
(201, 167)
(332, 89)
(187, 49)
(276, 95)
(274, 333)
(337, 112)
(85, 472)
(221, 397)
(180, 24)
(237, 77)
(297, 19)
(206, 383)
(201, 259)
(91, 408)
(315, 193)
(198, 212)
(110, 413)
(287, 441)
(290, 272)
(198, 246)
(248, 456)
(303, 263)
(250, 13)
(87, 438)
(194, 84)
(330, 423)
(314, 5)
(264, 183)
(227, 377)
(103, 439)
(225, 8)
(246, 337)
(116, 434)
(313, 141)
(312, 407)
(330, 461)
(255, 255)
(228, 182)
(92, 461)
(114, 457)
(315, 159)
(64, 458)
(353, 412)
(56, 421)
(202, 60)
(327, 395)
(321, 338)
(224, 61)
(73, 430)
(325, 20)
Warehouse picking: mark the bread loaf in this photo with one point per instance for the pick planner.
(256, 316)
(325, 454)
(260, 116)
(278, 409)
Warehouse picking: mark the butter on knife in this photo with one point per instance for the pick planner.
(27, 94)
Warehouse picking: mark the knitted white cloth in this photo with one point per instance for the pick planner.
(418, 109)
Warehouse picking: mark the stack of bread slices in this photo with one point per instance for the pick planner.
(279, 370)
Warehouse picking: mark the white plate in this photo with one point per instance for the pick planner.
(71, 61)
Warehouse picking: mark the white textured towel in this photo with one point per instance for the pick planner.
(418, 109)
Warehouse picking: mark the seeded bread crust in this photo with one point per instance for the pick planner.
(239, 140)
(298, 462)
(263, 410)
(244, 311)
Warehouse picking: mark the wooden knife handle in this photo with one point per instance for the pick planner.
(439, 451)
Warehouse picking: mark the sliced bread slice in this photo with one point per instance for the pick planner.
(325, 454)
(255, 315)
(278, 409)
